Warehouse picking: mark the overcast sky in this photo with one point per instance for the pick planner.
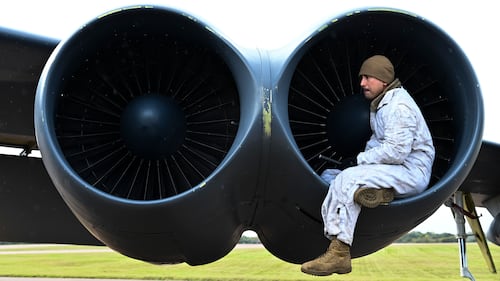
(274, 24)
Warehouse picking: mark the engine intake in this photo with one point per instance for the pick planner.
(147, 112)
(329, 116)
(319, 110)
(137, 117)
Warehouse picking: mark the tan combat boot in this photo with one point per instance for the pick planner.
(337, 259)
(373, 197)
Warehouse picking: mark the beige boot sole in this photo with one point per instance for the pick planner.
(373, 197)
(326, 273)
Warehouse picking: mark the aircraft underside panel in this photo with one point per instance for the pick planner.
(31, 209)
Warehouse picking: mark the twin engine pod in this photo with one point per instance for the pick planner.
(167, 141)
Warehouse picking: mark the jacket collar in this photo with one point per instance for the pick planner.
(376, 101)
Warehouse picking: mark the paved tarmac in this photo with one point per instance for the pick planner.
(67, 279)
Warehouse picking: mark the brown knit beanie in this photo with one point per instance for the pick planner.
(379, 67)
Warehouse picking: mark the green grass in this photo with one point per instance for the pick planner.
(416, 262)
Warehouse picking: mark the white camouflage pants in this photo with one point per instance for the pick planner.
(340, 212)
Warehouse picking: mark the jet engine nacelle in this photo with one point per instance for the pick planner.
(167, 141)
(139, 118)
(318, 111)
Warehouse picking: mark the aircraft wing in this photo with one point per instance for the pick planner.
(22, 58)
(483, 181)
(31, 209)
(483, 184)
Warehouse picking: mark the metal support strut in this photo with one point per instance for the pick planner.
(461, 235)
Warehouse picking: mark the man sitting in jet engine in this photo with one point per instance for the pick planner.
(397, 161)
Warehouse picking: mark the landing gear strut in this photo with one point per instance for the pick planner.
(463, 207)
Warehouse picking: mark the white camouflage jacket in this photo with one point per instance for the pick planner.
(400, 134)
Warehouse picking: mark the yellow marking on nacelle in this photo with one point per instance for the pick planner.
(267, 112)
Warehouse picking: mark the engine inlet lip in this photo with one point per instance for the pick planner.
(51, 92)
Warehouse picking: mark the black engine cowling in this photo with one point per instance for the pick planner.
(319, 89)
(167, 142)
(139, 117)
